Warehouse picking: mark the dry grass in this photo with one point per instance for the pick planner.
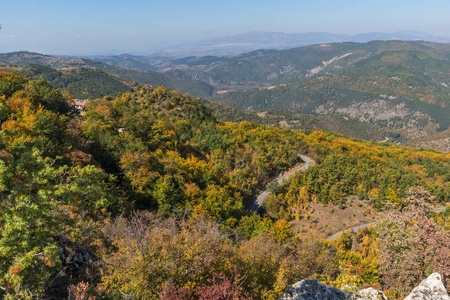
(328, 219)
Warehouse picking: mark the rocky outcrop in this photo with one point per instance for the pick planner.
(311, 289)
(372, 294)
(431, 288)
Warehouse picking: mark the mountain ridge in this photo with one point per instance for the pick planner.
(397, 85)
(24, 58)
(251, 41)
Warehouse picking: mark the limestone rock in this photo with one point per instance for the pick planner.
(372, 294)
(311, 289)
(431, 288)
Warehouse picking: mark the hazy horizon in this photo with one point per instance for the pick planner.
(140, 27)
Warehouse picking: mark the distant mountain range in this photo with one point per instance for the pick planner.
(215, 50)
(241, 43)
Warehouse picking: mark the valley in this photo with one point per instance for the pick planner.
(260, 160)
(399, 87)
(327, 100)
(224, 150)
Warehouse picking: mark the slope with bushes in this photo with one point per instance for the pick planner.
(145, 196)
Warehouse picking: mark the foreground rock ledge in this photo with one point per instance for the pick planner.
(431, 288)
(309, 289)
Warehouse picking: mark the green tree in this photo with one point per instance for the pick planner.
(50, 97)
(36, 201)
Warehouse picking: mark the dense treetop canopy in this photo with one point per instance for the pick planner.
(157, 163)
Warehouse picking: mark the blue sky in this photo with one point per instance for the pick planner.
(138, 26)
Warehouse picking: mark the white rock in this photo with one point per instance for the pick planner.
(372, 294)
(431, 288)
(311, 289)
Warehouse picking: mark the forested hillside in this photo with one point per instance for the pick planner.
(145, 196)
(23, 58)
(402, 87)
(128, 61)
(337, 123)
(88, 83)
(269, 67)
(82, 83)
(399, 85)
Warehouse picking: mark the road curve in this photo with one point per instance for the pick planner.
(354, 229)
(359, 227)
(309, 162)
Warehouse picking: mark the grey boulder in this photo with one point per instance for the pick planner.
(431, 288)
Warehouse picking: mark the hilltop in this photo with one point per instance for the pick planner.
(24, 58)
(80, 82)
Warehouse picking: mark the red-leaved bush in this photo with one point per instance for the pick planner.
(412, 245)
(220, 288)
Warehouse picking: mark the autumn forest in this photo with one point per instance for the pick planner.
(147, 195)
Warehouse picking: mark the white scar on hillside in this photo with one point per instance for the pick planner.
(326, 63)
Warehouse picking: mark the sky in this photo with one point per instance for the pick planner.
(94, 27)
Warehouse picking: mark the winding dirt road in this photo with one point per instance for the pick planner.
(309, 162)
